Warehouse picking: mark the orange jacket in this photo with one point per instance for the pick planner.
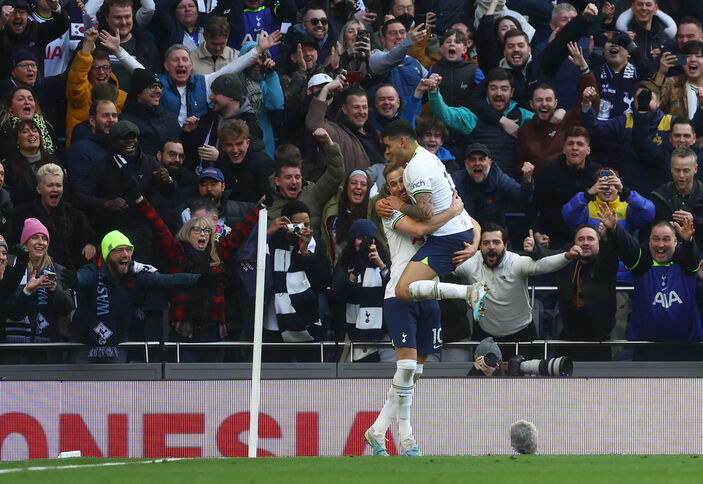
(78, 93)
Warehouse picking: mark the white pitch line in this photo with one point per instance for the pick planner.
(83, 466)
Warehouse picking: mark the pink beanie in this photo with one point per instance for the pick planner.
(33, 226)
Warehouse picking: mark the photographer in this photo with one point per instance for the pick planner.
(488, 359)
(358, 286)
(300, 273)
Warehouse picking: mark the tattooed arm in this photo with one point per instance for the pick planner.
(423, 208)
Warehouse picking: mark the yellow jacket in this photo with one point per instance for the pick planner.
(78, 93)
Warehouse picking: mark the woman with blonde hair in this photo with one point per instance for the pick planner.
(197, 315)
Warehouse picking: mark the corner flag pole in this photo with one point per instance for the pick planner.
(258, 330)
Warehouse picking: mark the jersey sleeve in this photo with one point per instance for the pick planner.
(418, 180)
(395, 216)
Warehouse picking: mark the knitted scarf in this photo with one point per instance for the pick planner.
(103, 335)
(40, 325)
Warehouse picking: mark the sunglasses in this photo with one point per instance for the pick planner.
(316, 21)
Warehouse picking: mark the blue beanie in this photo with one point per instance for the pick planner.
(363, 226)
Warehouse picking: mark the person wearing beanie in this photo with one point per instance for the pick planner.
(143, 108)
(192, 104)
(107, 291)
(228, 103)
(263, 89)
(40, 300)
(358, 284)
(484, 363)
(112, 180)
(21, 33)
(345, 208)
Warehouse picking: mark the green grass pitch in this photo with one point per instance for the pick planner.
(521, 469)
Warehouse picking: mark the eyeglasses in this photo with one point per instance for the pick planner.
(156, 86)
(104, 68)
(178, 156)
(316, 21)
(27, 66)
(201, 230)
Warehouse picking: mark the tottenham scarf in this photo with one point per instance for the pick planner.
(40, 325)
(364, 308)
(295, 300)
(103, 336)
(616, 92)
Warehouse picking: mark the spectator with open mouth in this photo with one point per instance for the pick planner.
(21, 104)
(25, 155)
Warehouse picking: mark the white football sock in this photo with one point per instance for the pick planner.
(387, 413)
(424, 290)
(418, 372)
(404, 389)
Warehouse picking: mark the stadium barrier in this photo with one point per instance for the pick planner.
(457, 416)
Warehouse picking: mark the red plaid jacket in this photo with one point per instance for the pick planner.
(172, 249)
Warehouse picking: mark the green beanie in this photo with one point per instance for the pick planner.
(113, 240)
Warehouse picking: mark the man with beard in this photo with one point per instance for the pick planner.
(228, 103)
(413, 326)
(527, 71)
(498, 95)
(263, 90)
(508, 315)
(105, 188)
(211, 201)
(486, 190)
(91, 141)
(314, 25)
(300, 66)
(107, 292)
(586, 291)
(171, 157)
(144, 109)
(17, 32)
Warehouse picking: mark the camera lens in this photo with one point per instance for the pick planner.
(490, 359)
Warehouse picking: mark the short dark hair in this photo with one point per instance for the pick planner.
(494, 227)
(499, 74)
(682, 120)
(355, 91)
(293, 207)
(577, 131)
(692, 47)
(398, 128)
(544, 85)
(287, 156)
(119, 3)
(170, 140)
(587, 226)
(106, 90)
(100, 54)
(663, 223)
(425, 126)
(384, 27)
(515, 33)
(92, 111)
(691, 20)
(460, 37)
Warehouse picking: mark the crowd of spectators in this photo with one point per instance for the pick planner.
(140, 139)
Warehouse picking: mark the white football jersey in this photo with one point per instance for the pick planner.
(402, 248)
(425, 173)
